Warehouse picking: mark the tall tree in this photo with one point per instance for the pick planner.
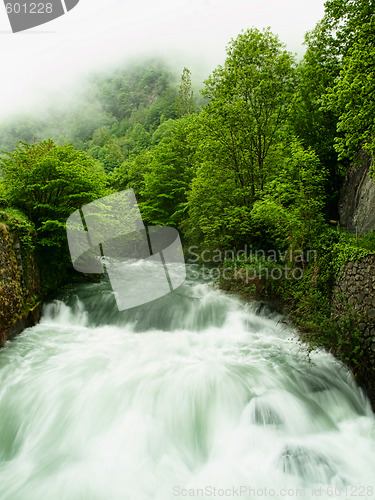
(168, 175)
(250, 99)
(240, 128)
(291, 209)
(353, 95)
(313, 122)
(185, 100)
(343, 20)
(327, 114)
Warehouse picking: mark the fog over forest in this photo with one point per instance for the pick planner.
(48, 66)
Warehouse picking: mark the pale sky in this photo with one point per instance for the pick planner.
(47, 63)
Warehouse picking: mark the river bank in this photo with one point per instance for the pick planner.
(331, 306)
(195, 388)
(332, 312)
(20, 283)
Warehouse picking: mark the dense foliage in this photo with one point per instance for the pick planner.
(48, 183)
(256, 161)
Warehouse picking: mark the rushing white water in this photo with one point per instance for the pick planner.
(193, 395)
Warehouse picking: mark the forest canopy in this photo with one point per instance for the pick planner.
(257, 156)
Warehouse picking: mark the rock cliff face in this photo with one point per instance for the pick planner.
(357, 197)
(19, 285)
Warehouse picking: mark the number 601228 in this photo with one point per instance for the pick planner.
(29, 8)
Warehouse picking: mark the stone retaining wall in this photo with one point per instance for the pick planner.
(354, 297)
(19, 286)
(354, 292)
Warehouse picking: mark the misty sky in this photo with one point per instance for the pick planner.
(46, 64)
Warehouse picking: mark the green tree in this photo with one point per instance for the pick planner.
(327, 114)
(168, 176)
(141, 138)
(291, 210)
(343, 20)
(131, 173)
(339, 49)
(217, 218)
(185, 100)
(249, 102)
(353, 96)
(311, 121)
(163, 130)
(48, 182)
(106, 149)
(218, 207)
(237, 137)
